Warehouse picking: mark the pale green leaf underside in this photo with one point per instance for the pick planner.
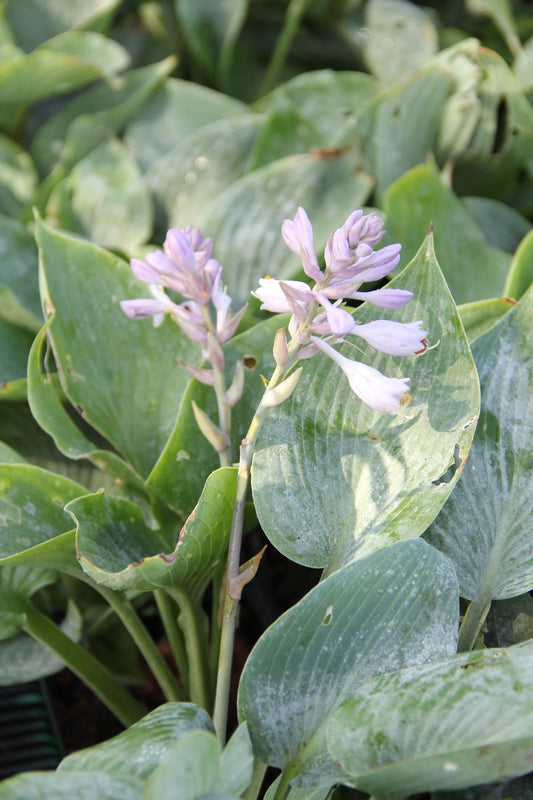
(138, 750)
(449, 725)
(390, 610)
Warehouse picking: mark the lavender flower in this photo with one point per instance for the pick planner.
(350, 261)
(185, 265)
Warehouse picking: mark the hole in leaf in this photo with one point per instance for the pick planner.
(458, 463)
(250, 362)
(328, 616)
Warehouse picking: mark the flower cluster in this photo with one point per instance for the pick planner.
(185, 266)
(350, 260)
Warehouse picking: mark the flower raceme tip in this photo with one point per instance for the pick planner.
(350, 260)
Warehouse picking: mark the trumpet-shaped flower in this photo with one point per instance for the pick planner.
(370, 385)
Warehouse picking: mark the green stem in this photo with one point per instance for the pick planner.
(283, 787)
(130, 619)
(196, 648)
(471, 624)
(84, 665)
(257, 781)
(219, 385)
(293, 15)
(168, 613)
(214, 644)
(232, 589)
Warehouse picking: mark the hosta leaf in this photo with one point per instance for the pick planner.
(332, 479)
(19, 287)
(118, 549)
(520, 276)
(472, 269)
(23, 658)
(392, 57)
(48, 409)
(236, 762)
(247, 217)
(129, 392)
(481, 315)
(35, 21)
(390, 610)
(517, 789)
(486, 526)
(399, 126)
(31, 506)
(93, 117)
(502, 226)
(175, 110)
(187, 460)
(523, 64)
(439, 726)
(15, 346)
(327, 99)
(18, 177)
(106, 199)
(81, 785)
(189, 179)
(17, 584)
(137, 751)
(63, 64)
(191, 771)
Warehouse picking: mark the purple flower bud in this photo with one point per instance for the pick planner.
(142, 308)
(298, 236)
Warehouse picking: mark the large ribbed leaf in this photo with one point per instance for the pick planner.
(63, 64)
(392, 57)
(400, 125)
(81, 785)
(106, 199)
(97, 114)
(118, 549)
(193, 771)
(121, 374)
(189, 179)
(486, 526)
(420, 197)
(388, 611)
(176, 109)
(457, 723)
(137, 751)
(333, 479)
(31, 506)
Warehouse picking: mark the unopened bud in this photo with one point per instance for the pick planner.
(214, 352)
(281, 353)
(275, 396)
(214, 435)
(234, 393)
(203, 375)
